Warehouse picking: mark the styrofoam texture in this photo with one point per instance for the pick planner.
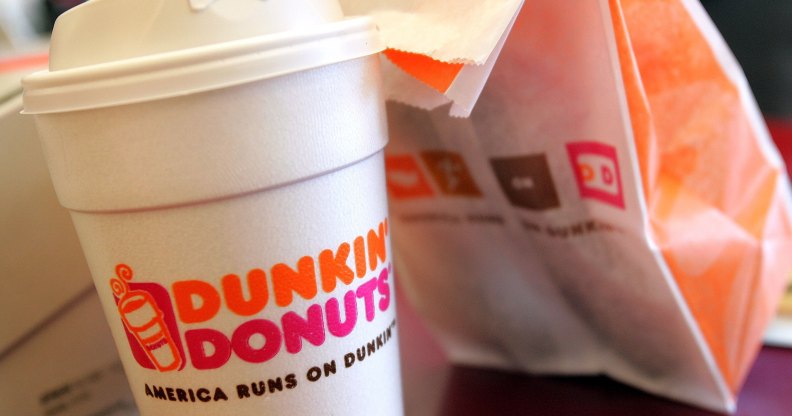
(216, 144)
(210, 240)
(132, 28)
(222, 182)
(158, 49)
(194, 70)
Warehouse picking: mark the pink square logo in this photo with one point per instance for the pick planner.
(597, 173)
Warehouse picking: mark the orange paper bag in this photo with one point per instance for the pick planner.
(614, 204)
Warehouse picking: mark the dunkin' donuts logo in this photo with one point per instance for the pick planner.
(448, 170)
(167, 328)
(150, 323)
(597, 173)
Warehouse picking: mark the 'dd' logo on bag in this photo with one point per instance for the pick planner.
(149, 321)
(596, 170)
(526, 181)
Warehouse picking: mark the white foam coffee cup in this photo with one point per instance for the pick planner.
(222, 163)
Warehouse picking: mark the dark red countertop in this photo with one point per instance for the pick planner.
(433, 387)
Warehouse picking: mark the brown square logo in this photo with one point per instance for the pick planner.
(526, 181)
(450, 173)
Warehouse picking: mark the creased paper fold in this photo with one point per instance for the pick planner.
(448, 46)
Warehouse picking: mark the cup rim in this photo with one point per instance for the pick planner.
(200, 69)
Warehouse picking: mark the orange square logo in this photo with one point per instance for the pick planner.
(450, 173)
(405, 179)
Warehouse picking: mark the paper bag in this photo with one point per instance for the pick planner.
(614, 205)
(438, 52)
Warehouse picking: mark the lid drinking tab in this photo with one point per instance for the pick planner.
(101, 31)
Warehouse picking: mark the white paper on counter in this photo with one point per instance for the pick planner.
(69, 367)
(41, 262)
(779, 333)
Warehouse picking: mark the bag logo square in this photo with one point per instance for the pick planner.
(450, 173)
(405, 179)
(596, 168)
(526, 181)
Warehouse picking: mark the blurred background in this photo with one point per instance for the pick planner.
(760, 35)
